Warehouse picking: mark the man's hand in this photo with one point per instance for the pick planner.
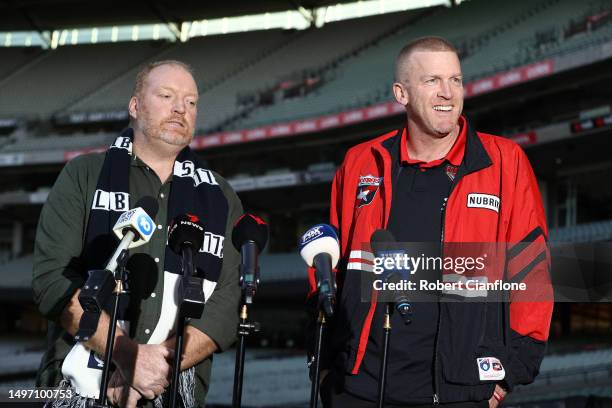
(493, 402)
(146, 367)
(120, 393)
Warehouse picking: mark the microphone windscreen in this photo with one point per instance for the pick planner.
(380, 240)
(250, 228)
(321, 238)
(149, 204)
(186, 229)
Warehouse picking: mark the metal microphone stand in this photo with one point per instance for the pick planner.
(249, 279)
(314, 388)
(102, 402)
(382, 375)
(191, 305)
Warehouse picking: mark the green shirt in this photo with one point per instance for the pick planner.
(58, 271)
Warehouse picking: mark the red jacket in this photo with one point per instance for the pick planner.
(495, 199)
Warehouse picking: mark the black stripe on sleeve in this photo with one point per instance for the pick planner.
(524, 243)
(523, 273)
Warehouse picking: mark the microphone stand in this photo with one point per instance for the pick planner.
(102, 402)
(314, 388)
(382, 375)
(191, 305)
(249, 279)
(326, 297)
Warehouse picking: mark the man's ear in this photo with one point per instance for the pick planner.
(401, 93)
(133, 107)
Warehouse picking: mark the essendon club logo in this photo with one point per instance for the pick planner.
(451, 171)
(367, 189)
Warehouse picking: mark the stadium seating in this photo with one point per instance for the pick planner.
(74, 141)
(212, 58)
(367, 78)
(41, 88)
(14, 58)
(356, 57)
(310, 49)
(266, 56)
(504, 52)
(591, 232)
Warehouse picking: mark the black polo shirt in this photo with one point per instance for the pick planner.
(420, 191)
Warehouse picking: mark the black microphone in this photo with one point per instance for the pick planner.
(384, 245)
(185, 238)
(185, 233)
(249, 236)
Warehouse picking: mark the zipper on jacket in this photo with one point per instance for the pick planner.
(436, 384)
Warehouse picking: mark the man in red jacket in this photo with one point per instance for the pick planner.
(437, 180)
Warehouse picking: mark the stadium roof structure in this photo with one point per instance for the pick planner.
(41, 15)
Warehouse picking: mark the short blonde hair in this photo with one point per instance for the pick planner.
(430, 43)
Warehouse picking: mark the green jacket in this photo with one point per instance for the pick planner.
(58, 271)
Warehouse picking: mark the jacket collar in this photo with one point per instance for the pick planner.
(475, 156)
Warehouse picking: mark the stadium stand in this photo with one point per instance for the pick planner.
(343, 54)
(212, 58)
(49, 82)
(587, 232)
(72, 141)
(367, 78)
(505, 52)
(14, 58)
(312, 49)
(226, 65)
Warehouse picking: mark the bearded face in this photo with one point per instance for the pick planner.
(166, 107)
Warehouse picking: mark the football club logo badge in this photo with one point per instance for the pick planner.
(451, 171)
(367, 189)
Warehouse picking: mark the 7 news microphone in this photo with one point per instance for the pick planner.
(319, 248)
(185, 238)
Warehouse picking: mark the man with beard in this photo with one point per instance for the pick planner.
(151, 158)
(436, 180)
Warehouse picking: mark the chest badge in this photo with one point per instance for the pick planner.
(451, 171)
(366, 189)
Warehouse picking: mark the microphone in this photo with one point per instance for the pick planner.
(134, 227)
(319, 248)
(382, 242)
(249, 236)
(185, 237)
(185, 233)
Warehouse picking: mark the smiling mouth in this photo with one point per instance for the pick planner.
(443, 108)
